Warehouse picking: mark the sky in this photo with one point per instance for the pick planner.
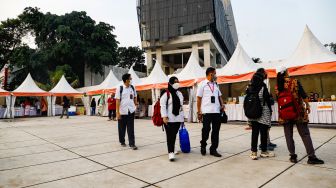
(268, 29)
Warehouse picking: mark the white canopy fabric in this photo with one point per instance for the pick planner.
(63, 87)
(272, 64)
(29, 88)
(110, 81)
(192, 70)
(240, 63)
(4, 92)
(157, 76)
(135, 78)
(309, 51)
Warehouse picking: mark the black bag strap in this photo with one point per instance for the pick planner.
(121, 90)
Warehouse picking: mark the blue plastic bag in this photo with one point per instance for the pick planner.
(184, 139)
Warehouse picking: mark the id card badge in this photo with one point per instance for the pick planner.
(131, 96)
(212, 99)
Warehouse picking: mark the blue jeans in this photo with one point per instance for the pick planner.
(93, 111)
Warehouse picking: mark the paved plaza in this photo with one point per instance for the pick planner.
(84, 151)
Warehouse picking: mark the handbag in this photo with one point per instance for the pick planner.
(184, 139)
(224, 117)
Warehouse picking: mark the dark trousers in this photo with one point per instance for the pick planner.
(171, 132)
(126, 122)
(112, 114)
(93, 111)
(213, 119)
(263, 130)
(304, 134)
(66, 110)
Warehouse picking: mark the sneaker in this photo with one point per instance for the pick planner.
(314, 160)
(176, 152)
(171, 156)
(203, 151)
(133, 147)
(272, 145)
(123, 144)
(270, 148)
(254, 156)
(215, 154)
(267, 154)
(293, 158)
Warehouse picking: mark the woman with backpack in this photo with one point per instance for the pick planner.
(171, 103)
(260, 117)
(294, 109)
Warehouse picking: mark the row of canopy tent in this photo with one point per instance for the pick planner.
(28, 88)
(310, 57)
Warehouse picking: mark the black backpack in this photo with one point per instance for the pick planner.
(252, 105)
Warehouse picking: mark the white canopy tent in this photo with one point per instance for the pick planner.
(6, 112)
(309, 51)
(28, 88)
(62, 88)
(135, 78)
(192, 70)
(240, 63)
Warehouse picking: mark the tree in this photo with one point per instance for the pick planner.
(72, 39)
(131, 55)
(332, 47)
(256, 59)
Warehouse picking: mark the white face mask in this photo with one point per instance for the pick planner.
(130, 82)
(176, 86)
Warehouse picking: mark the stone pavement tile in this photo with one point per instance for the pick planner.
(27, 160)
(107, 147)
(15, 136)
(332, 141)
(233, 147)
(48, 172)
(12, 145)
(164, 169)
(28, 150)
(327, 153)
(305, 176)
(101, 179)
(236, 171)
(128, 156)
(85, 142)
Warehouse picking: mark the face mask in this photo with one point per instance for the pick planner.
(214, 78)
(130, 82)
(176, 86)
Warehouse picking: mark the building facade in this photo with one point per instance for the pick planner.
(171, 30)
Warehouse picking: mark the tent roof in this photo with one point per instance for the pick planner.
(192, 70)
(273, 64)
(156, 76)
(4, 92)
(63, 87)
(29, 88)
(109, 82)
(135, 78)
(240, 63)
(309, 51)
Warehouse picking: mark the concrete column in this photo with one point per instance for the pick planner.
(149, 59)
(207, 58)
(194, 48)
(159, 56)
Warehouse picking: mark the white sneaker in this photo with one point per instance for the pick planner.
(176, 152)
(171, 156)
(267, 154)
(254, 156)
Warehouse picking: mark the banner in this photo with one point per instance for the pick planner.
(324, 106)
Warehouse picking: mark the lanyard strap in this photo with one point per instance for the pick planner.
(213, 87)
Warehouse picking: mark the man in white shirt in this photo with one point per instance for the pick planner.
(126, 97)
(209, 105)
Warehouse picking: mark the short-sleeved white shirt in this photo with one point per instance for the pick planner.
(126, 104)
(205, 91)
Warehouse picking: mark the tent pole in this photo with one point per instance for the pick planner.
(321, 83)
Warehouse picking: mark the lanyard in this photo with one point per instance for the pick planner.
(213, 87)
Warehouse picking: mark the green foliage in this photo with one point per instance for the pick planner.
(256, 59)
(73, 39)
(132, 55)
(332, 47)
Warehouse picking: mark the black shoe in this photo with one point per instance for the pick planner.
(272, 145)
(123, 144)
(314, 160)
(293, 158)
(203, 151)
(133, 147)
(215, 153)
(270, 148)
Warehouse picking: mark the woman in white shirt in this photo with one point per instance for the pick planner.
(171, 103)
